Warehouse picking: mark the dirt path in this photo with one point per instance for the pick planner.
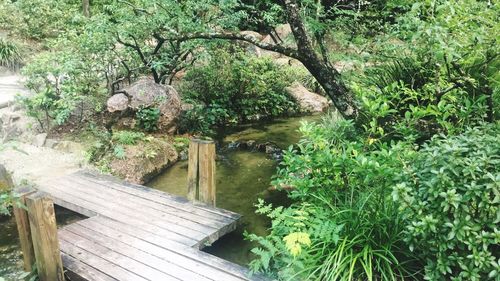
(37, 164)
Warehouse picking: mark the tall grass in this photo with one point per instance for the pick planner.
(10, 54)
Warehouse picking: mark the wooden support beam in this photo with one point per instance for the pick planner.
(207, 172)
(45, 241)
(23, 227)
(201, 171)
(193, 170)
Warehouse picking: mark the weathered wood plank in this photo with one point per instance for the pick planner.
(112, 203)
(193, 170)
(169, 251)
(45, 241)
(76, 270)
(164, 199)
(23, 228)
(108, 254)
(114, 214)
(181, 202)
(116, 243)
(207, 172)
(106, 226)
(85, 256)
(153, 209)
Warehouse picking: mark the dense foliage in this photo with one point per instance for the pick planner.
(341, 184)
(235, 88)
(407, 190)
(450, 197)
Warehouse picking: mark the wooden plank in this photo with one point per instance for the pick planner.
(45, 241)
(106, 225)
(167, 251)
(23, 228)
(200, 213)
(110, 203)
(85, 256)
(153, 196)
(154, 209)
(143, 270)
(207, 172)
(193, 170)
(117, 215)
(76, 270)
(180, 202)
(140, 254)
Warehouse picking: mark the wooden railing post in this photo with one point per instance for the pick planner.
(45, 241)
(201, 171)
(23, 227)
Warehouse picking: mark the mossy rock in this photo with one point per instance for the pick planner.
(6, 183)
(144, 160)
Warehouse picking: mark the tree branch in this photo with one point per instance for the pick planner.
(290, 52)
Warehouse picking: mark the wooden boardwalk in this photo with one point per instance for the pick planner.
(137, 233)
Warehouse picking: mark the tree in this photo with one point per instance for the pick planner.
(86, 7)
(172, 26)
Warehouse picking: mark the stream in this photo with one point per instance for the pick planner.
(242, 177)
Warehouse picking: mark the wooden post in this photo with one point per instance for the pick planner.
(201, 171)
(23, 227)
(207, 172)
(193, 170)
(44, 233)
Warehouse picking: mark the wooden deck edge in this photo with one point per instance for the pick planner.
(180, 199)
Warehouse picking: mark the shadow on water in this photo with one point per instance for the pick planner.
(242, 177)
(11, 264)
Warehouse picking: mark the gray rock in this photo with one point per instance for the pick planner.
(39, 140)
(118, 102)
(308, 101)
(50, 143)
(5, 180)
(147, 93)
(69, 146)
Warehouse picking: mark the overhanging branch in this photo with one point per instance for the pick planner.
(287, 51)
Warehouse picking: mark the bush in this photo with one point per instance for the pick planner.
(235, 88)
(147, 118)
(10, 54)
(451, 198)
(127, 137)
(64, 85)
(343, 224)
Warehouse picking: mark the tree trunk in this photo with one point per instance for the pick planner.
(326, 75)
(86, 7)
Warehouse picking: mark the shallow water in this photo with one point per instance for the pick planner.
(241, 178)
(283, 132)
(11, 263)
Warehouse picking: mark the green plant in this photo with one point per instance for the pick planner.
(147, 118)
(128, 137)
(450, 195)
(340, 180)
(235, 88)
(10, 54)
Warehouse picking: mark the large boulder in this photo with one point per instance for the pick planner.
(118, 102)
(307, 100)
(145, 93)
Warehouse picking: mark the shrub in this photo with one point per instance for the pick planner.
(451, 198)
(10, 54)
(341, 184)
(127, 137)
(234, 88)
(147, 118)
